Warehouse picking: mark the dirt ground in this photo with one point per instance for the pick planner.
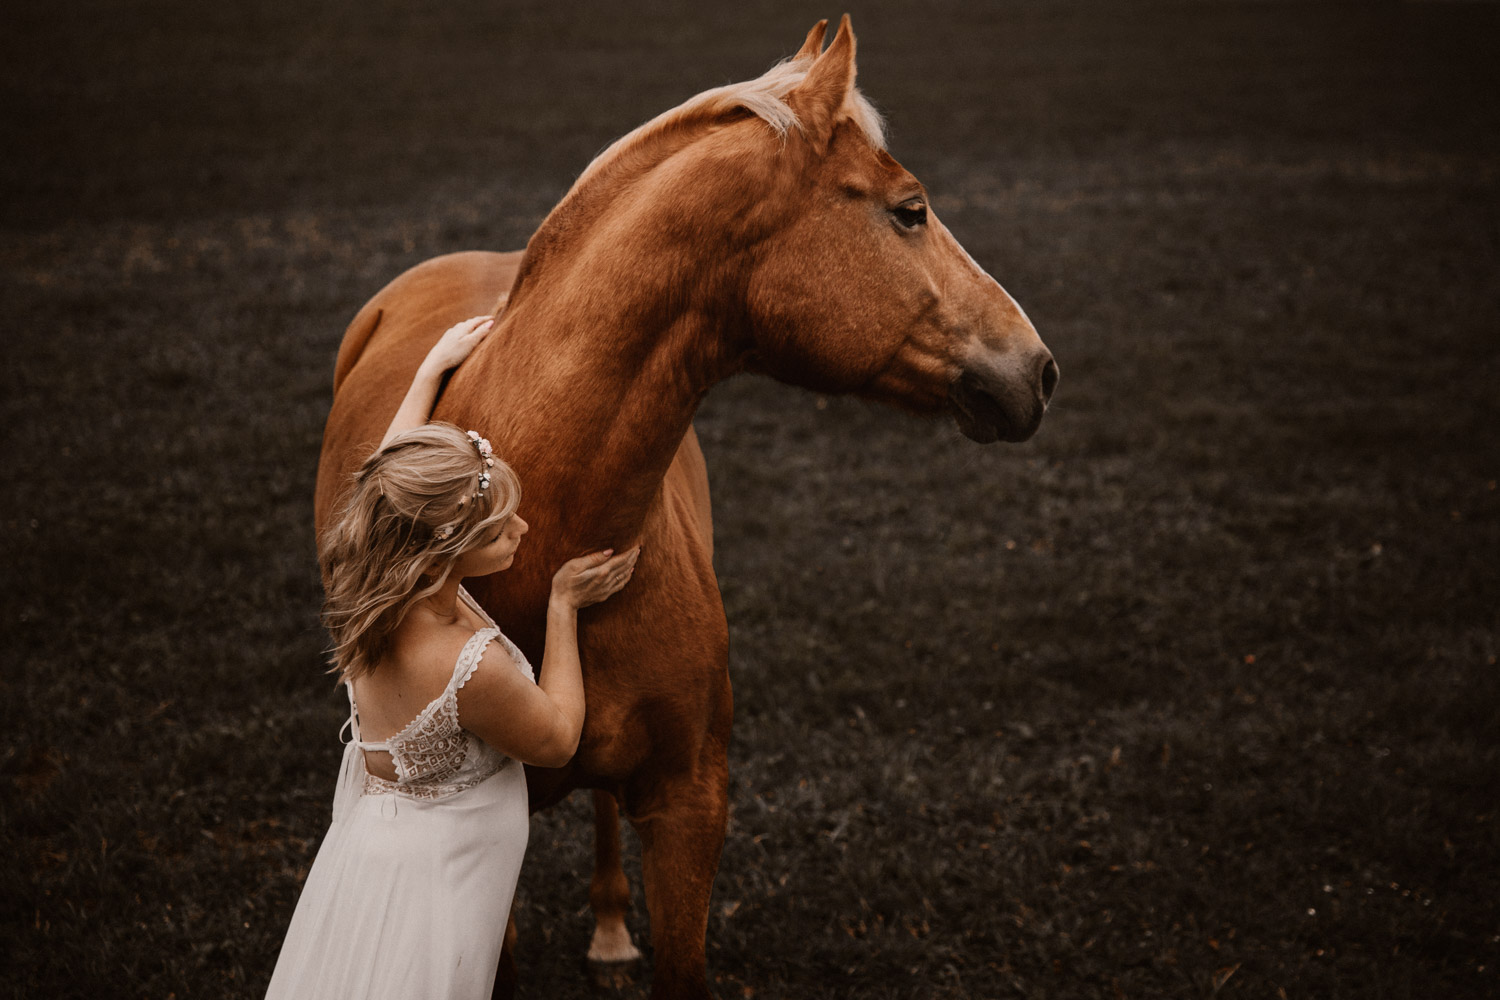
(1194, 694)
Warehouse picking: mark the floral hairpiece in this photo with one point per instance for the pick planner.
(487, 453)
(482, 445)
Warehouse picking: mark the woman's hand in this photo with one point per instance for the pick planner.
(542, 724)
(456, 343)
(452, 347)
(590, 579)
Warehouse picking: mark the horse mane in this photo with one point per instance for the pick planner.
(764, 97)
(640, 149)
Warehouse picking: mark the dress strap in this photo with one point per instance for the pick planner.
(352, 771)
(352, 724)
(468, 659)
(483, 614)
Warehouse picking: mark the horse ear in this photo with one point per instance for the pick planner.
(814, 44)
(818, 98)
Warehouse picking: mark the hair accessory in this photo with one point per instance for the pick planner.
(487, 454)
(482, 445)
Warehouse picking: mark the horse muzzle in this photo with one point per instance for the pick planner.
(1003, 399)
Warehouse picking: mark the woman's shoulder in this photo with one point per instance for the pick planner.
(494, 675)
(423, 647)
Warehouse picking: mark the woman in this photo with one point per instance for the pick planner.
(411, 889)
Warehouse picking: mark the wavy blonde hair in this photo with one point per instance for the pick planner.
(412, 504)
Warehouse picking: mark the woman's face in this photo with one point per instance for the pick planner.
(495, 552)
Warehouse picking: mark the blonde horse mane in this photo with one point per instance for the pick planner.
(765, 97)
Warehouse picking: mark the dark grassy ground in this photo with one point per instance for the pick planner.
(1195, 694)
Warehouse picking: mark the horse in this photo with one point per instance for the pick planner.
(758, 227)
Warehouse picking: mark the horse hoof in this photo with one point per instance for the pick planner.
(612, 978)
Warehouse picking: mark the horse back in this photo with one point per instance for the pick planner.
(384, 344)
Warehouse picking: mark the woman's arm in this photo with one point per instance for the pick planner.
(541, 723)
(451, 349)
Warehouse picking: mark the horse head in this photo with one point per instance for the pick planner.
(764, 226)
(859, 287)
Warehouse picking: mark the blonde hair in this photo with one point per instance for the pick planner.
(414, 503)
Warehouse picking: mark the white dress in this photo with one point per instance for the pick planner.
(411, 889)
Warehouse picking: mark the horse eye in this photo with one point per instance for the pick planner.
(911, 215)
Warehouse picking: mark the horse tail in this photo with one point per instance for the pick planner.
(361, 328)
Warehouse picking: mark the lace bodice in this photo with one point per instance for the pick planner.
(434, 756)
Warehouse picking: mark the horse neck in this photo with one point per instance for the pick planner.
(588, 397)
(624, 313)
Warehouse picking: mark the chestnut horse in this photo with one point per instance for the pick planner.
(757, 227)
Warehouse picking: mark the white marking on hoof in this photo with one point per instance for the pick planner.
(612, 944)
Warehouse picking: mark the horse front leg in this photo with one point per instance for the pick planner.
(613, 956)
(680, 821)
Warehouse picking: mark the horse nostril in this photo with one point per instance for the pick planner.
(1050, 375)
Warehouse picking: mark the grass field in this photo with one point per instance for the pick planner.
(1193, 695)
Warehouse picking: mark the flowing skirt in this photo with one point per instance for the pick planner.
(409, 898)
